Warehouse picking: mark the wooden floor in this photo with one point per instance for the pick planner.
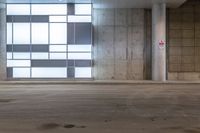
(90, 108)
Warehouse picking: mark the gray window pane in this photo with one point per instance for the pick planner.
(9, 48)
(9, 18)
(40, 18)
(70, 9)
(83, 33)
(21, 48)
(21, 18)
(70, 72)
(71, 63)
(70, 33)
(48, 63)
(40, 48)
(9, 72)
(83, 63)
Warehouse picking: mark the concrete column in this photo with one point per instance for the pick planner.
(159, 35)
(3, 41)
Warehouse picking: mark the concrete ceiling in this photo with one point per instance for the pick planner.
(108, 3)
(134, 3)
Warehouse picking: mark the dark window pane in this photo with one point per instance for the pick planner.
(71, 63)
(83, 63)
(48, 63)
(83, 33)
(9, 72)
(70, 9)
(40, 18)
(21, 48)
(9, 18)
(70, 33)
(40, 48)
(70, 72)
(9, 48)
(21, 18)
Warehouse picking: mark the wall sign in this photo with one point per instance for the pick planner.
(161, 44)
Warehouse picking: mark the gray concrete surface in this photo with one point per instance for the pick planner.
(90, 108)
(158, 35)
(2, 40)
(119, 40)
(184, 46)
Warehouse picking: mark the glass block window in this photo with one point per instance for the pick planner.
(49, 41)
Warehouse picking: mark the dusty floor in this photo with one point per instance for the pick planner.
(149, 108)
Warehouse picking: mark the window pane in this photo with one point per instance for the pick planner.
(83, 9)
(9, 33)
(39, 55)
(58, 18)
(58, 33)
(49, 9)
(58, 56)
(79, 19)
(40, 33)
(21, 33)
(79, 56)
(16, 63)
(21, 72)
(21, 55)
(58, 48)
(9, 55)
(83, 72)
(83, 33)
(18, 9)
(79, 48)
(49, 72)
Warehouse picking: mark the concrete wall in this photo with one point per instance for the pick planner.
(2, 41)
(184, 42)
(119, 41)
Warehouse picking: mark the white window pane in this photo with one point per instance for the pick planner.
(58, 33)
(16, 63)
(58, 19)
(49, 9)
(79, 48)
(21, 33)
(79, 56)
(49, 72)
(9, 33)
(21, 55)
(58, 56)
(18, 9)
(40, 33)
(39, 56)
(72, 18)
(9, 55)
(58, 48)
(21, 72)
(85, 72)
(83, 9)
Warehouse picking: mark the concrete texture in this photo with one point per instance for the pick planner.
(2, 40)
(119, 44)
(148, 45)
(158, 35)
(184, 42)
(133, 3)
(90, 108)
